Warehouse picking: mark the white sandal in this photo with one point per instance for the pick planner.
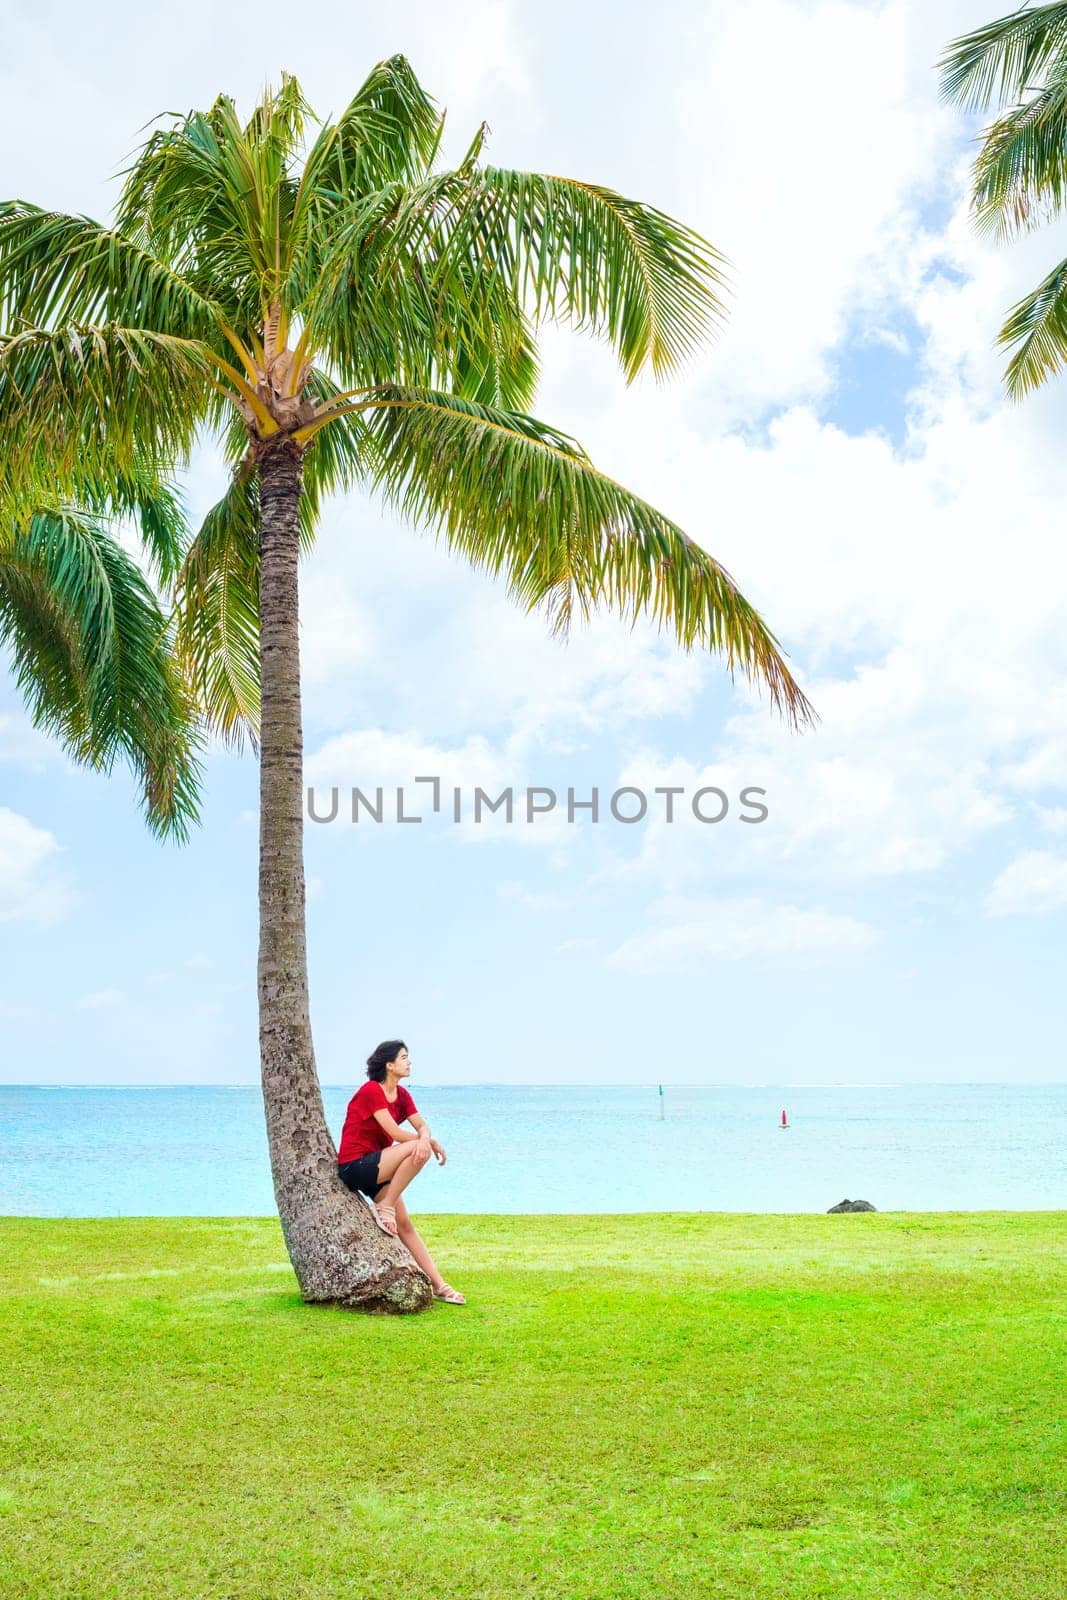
(452, 1296)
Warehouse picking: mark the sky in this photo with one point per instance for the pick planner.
(844, 448)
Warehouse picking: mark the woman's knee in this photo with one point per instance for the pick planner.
(389, 1164)
(419, 1156)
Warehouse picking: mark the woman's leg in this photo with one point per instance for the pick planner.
(391, 1157)
(409, 1236)
(398, 1165)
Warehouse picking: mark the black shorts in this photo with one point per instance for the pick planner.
(362, 1174)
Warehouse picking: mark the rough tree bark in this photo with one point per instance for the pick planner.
(339, 1255)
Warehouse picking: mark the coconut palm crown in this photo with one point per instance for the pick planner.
(1019, 64)
(336, 309)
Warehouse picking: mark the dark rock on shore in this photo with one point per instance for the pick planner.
(851, 1205)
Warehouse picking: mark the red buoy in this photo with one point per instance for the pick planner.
(785, 1120)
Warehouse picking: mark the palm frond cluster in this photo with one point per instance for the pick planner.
(1019, 64)
(94, 656)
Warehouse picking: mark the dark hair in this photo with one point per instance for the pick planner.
(380, 1058)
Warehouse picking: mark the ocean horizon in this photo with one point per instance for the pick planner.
(200, 1150)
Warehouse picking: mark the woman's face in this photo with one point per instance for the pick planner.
(401, 1067)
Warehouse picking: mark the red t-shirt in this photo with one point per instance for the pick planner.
(362, 1132)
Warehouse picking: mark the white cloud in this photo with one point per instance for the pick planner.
(555, 695)
(928, 590)
(369, 758)
(117, 80)
(539, 900)
(459, 656)
(22, 743)
(1052, 819)
(1035, 882)
(30, 888)
(102, 999)
(336, 637)
(873, 794)
(689, 933)
(821, 137)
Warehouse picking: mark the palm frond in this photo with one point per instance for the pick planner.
(1037, 330)
(483, 344)
(209, 199)
(363, 303)
(109, 395)
(502, 366)
(156, 718)
(385, 308)
(57, 269)
(281, 118)
(46, 656)
(570, 251)
(217, 595)
(94, 659)
(387, 133)
(160, 514)
(133, 494)
(522, 499)
(339, 457)
(1005, 59)
(1020, 173)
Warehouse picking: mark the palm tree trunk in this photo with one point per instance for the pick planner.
(338, 1254)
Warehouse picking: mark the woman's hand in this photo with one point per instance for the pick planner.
(438, 1150)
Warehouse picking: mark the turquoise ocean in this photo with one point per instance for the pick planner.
(201, 1151)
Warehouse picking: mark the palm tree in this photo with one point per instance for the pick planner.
(1020, 172)
(336, 309)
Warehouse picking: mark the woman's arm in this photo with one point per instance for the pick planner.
(398, 1134)
(418, 1121)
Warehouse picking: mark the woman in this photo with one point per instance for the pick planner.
(378, 1157)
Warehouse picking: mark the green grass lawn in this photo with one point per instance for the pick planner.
(862, 1407)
